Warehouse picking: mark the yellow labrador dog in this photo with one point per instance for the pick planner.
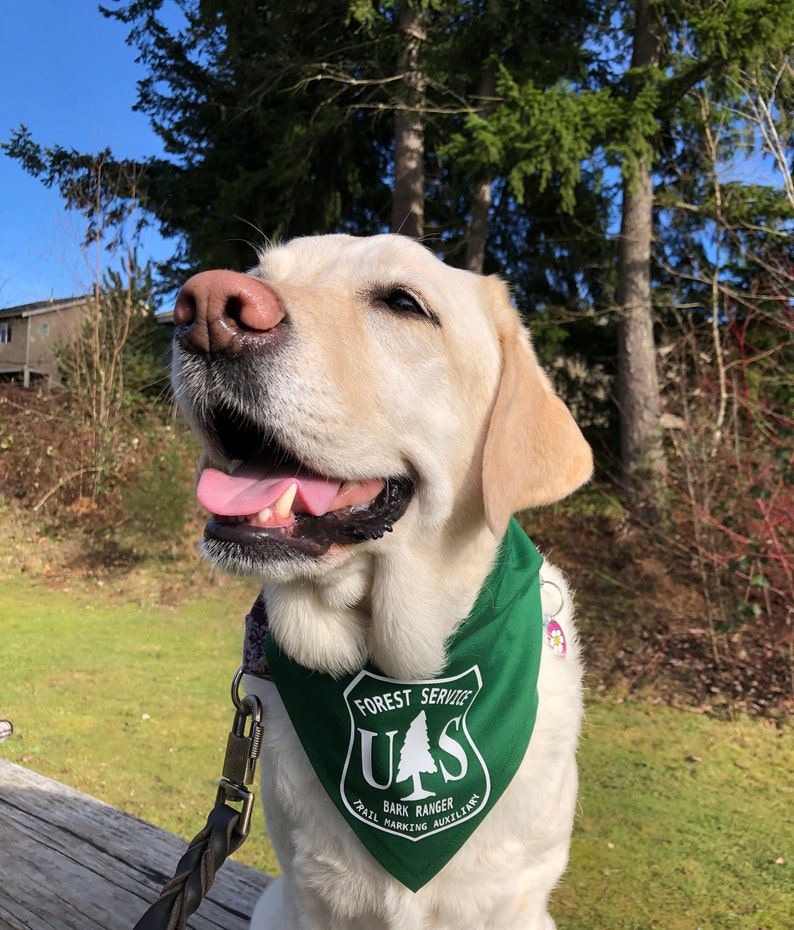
(371, 419)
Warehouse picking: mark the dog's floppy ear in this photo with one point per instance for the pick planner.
(534, 451)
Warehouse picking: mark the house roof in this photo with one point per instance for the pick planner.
(41, 306)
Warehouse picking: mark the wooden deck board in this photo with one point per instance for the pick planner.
(69, 861)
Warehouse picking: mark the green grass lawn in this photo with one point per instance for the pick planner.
(685, 821)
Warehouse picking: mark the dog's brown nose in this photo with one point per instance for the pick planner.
(220, 312)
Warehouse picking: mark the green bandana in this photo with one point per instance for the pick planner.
(414, 766)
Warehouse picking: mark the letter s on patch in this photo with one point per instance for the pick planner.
(451, 746)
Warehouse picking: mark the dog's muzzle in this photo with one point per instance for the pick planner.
(271, 507)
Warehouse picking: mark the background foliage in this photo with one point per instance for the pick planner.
(537, 125)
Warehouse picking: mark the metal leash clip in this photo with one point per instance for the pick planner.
(242, 752)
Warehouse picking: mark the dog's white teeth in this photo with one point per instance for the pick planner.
(266, 514)
(283, 505)
(347, 486)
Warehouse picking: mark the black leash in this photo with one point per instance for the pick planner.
(227, 827)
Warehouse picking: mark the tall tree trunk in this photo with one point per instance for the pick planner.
(408, 199)
(642, 452)
(477, 233)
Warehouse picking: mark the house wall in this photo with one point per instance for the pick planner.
(13, 353)
(47, 330)
(35, 336)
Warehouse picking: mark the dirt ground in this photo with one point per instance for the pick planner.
(644, 622)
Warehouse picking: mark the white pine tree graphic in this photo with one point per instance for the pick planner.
(415, 758)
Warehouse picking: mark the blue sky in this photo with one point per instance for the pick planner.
(68, 75)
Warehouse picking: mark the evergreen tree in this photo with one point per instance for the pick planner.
(679, 48)
(415, 758)
(263, 140)
(623, 111)
(285, 117)
(533, 131)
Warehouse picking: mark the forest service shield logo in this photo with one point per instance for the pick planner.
(412, 768)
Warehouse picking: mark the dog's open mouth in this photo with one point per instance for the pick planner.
(270, 503)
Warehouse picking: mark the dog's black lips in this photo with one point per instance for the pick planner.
(239, 437)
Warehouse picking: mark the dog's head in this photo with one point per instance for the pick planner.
(345, 387)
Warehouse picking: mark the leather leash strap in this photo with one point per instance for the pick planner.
(226, 828)
(195, 871)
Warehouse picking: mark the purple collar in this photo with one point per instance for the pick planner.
(256, 627)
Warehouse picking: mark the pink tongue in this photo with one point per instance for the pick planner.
(251, 488)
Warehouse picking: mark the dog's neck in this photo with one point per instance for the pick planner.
(395, 607)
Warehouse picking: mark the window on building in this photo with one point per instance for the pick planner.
(5, 333)
(44, 329)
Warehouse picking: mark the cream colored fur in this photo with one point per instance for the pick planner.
(464, 408)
